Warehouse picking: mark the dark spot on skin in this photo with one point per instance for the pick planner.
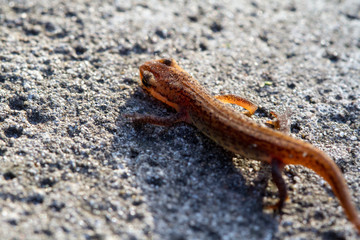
(167, 62)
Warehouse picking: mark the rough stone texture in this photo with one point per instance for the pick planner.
(71, 168)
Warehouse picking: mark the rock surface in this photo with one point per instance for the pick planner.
(71, 168)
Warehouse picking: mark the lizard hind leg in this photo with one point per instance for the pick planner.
(276, 171)
(281, 121)
(242, 102)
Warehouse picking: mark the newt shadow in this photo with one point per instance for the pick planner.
(191, 185)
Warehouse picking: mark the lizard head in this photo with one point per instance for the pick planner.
(164, 80)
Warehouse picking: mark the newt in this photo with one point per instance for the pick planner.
(165, 80)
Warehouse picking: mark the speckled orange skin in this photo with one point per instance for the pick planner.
(235, 132)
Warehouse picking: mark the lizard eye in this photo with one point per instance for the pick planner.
(147, 78)
(168, 61)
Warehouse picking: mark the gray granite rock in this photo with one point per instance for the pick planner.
(72, 168)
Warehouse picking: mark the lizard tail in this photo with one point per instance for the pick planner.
(324, 166)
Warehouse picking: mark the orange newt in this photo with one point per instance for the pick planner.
(165, 80)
